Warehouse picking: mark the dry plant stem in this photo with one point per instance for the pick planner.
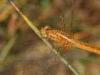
(6, 49)
(59, 37)
(36, 30)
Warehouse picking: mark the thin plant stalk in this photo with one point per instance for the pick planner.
(37, 31)
(6, 49)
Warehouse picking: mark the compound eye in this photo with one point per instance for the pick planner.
(44, 30)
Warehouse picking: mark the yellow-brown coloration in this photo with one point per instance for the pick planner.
(60, 37)
(54, 35)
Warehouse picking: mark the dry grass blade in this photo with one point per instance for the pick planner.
(6, 49)
(37, 31)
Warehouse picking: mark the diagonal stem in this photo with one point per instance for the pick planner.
(37, 31)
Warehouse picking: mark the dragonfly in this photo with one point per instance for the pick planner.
(61, 37)
(66, 40)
